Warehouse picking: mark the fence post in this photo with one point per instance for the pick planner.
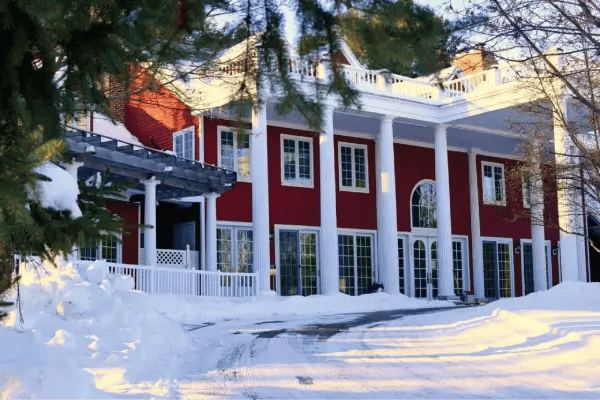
(187, 256)
(220, 288)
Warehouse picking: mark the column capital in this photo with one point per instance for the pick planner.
(441, 127)
(474, 151)
(385, 118)
(211, 195)
(329, 106)
(151, 181)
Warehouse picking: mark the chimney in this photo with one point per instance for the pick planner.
(117, 97)
(475, 60)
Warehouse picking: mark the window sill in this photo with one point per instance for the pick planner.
(308, 185)
(353, 189)
(501, 204)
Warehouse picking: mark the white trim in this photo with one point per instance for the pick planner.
(493, 164)
(299, 228)
(508, 241)
(236, 167)
(297, 182)
(234, 223)
(353, 188)
(119, 249)
(420, 230)
(548, 245)
(191, 129)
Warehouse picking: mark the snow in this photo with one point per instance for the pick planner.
(60, 193)
(116, 130)
(87, 334)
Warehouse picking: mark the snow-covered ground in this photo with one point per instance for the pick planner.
(86, 334)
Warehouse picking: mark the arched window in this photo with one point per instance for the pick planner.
(423, 203)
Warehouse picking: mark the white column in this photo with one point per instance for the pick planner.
(203, 234)
(476, 245)
(444, 229)
(538, 245)
(260, 196)
(387, 223)
(568, 240)
(150, 219)
(211, 231)
(328, 237)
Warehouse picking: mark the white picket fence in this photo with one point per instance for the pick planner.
(186, 281)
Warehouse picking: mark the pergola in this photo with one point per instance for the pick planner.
(161, 175)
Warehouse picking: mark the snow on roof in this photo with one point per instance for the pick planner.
(114, 129)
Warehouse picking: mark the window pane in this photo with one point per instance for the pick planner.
(188, 145)
(489, 269)
(244, 250)
(224, 253)
(488, 184)
(89, 253)
(308, 263)
(360, 168)
(346, 166)
(424, 206)
(243, 155)
(109, 250)
(178, 147)
(457, 267)
(504, 270)
(304, 160)
(401, 264)
(346, 259)
(498, 184)
(363, 264)
(227, 160)
(289, 159)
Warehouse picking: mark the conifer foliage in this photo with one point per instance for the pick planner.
(55, 57)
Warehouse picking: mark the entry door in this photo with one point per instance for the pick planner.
(425, 267)
(297, 263)
(184, 234)
(497, 275)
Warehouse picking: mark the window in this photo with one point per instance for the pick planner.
(234, 249)
(401, 264)
(183, 143)
(353, 169)
(234, 152)
(355, 263)
(493, 183)
(423, 206)
(108, 249)
(457, 267)
(79, 121)
(296, 161)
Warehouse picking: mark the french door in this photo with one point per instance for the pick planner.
(297, 262)
(527, 266)
(355, 263)
(497, 269)
(425, 267)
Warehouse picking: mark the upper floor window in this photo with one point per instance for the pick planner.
(183, 143)
(296, 161)
(423, 206)
(234, 152)
(353, 168)
(493, 183)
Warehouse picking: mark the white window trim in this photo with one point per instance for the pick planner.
(99, 250)
(182, 132)
(234, 226)
(285, 182)
(420, 230)
(493, 164)
(548, 244)
(353, 188)
(511, 252)
(300, 229)
(374, 263)
(236, 168)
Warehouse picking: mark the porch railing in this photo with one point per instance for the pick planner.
(186, 281)
(189, 259)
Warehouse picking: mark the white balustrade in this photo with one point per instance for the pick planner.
(174, 258)
(185, 281)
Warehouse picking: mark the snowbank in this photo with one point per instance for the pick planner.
(78, 327)
(60, 193)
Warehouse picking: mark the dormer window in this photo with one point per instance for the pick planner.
(183, 143)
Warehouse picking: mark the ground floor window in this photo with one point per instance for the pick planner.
(355, 263)
(234, 249)
(401, 266)
(527, 266)
(298, 272)
(108, 249)
(497, 268)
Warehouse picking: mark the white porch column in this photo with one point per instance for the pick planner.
(476, 244)
(328, 237)
(260, 195)
(444, 229)
(150, 219)
(387, 223)
(211, 231)
(538, 246)
(569, 254)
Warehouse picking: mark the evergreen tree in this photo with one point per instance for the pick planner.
(55, 57)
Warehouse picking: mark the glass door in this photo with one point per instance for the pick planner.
(425, 267)
(297, 263)
(497, 269)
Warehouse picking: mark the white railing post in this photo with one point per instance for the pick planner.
(187, 256)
